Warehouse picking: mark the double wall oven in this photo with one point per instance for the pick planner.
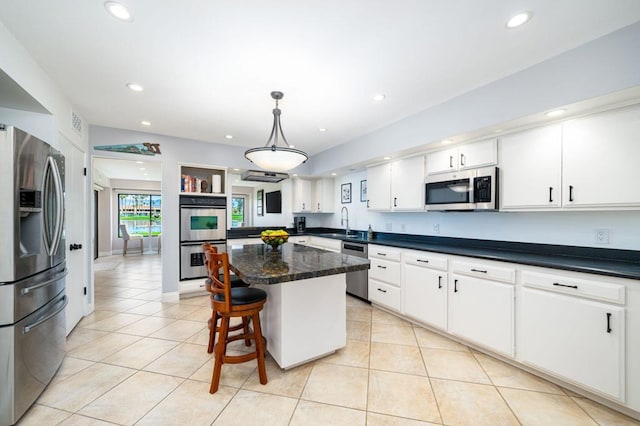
(202, 219)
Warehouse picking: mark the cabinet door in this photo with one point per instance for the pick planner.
(530, 169)
(379, 187)
(323, 201)
(302, 195)
(482, 311)
(478, 154)
(442, 161)
(424, 294)
(578, 339)
(407, 184)
(384, 294)
(600, 156)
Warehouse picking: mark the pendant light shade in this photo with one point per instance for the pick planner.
(272, 157)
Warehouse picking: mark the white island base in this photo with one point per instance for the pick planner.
(304, 320)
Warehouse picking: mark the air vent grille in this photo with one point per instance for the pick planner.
(76, 122)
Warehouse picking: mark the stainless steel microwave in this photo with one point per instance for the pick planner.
(475, 189)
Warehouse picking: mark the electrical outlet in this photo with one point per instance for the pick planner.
(436, 228)
(602, 236)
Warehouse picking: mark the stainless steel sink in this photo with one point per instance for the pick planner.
(340, 235)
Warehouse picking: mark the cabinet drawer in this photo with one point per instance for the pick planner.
(384, 294)
(386, 271)
(597, 290)
(425, 259)
(490, 272)
(384, 253)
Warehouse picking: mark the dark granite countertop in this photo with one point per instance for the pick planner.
(258, 264)
(608, 262)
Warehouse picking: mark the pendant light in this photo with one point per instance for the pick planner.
(272, 157)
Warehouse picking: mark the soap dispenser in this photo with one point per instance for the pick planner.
(369, 233)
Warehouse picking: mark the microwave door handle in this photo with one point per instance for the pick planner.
(57, 180)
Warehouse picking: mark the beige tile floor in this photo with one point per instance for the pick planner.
(137, 360)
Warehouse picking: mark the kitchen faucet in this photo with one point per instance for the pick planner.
(343, 220)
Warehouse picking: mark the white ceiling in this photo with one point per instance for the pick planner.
(208, 66)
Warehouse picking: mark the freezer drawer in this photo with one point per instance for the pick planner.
(31, 352)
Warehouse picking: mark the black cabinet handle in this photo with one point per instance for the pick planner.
(455, 286)
(318, 206)
(382, 254)
(478, 270)
(382, 290)
(382, 267)
(565, 285)
(302, 206)
(570, 192)
(461, 159)
(451, 161)
(439, 281)
(423, 261)
(551, 194)
(608, 322)
(367, 203)
(395, 201)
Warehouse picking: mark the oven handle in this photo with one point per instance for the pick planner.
(28, 290)
(28, 328)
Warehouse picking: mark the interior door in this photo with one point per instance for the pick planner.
(76, 225)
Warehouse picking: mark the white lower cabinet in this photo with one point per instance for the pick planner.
(424, 288)
(385, 276)
(581, 340)
(384, 294)
(482, 311)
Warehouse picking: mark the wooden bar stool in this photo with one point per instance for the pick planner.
(235, 282)
(244, 302)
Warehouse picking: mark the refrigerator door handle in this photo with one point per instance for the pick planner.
(57, 180)
(46, 283)
(28, 328)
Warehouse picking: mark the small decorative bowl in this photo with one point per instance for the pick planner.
(275, 241)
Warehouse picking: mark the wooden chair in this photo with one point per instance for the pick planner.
(212, 322)
(244, 302)
(126, 237)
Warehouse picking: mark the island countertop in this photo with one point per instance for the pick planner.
(259, 264)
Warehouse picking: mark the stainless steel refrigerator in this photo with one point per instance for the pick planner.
(32, 269)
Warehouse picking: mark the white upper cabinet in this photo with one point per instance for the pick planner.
(407, 184)
(379, 187)
(469, 156)
(530, 164)
(397, 186)
(323, 199)
(600, 160)
(302, 201)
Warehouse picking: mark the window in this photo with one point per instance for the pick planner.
(141, 213)
(238, 210)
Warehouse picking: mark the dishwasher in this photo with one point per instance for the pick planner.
(358, 281)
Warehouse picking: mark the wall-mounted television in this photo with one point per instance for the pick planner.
(273, 202)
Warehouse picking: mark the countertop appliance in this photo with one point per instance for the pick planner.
(32, 269)
(474, 189)
(202, 219)
(300, 223)
(357, 282)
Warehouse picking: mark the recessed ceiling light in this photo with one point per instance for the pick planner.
(386, 158)
(135, 87)
(139, 162)
(142, 168)
(322, 129)
(228, 136)
(379, 97)
(146, 174)
(145, 123)
(295, 174)
(118, 11)
(236, 170)
(292, 146)
(555, 112)
(447, 142)
(334, 174)
(519, 19)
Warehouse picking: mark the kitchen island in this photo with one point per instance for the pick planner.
(305, 314)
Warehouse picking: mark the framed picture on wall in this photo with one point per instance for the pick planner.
(363, 190)
(260, 203)
(345, 193)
